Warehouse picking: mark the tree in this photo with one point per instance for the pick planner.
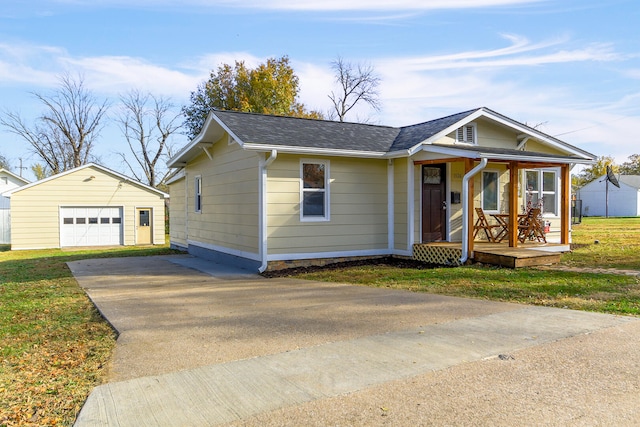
(270, 88)
(63, 136)
(4, 163)
(595, 171)
(357, 84)
(632, 166)
(40, 171)
(147, 122)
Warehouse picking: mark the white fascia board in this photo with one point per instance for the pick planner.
(315, 151)
(176, 161)
(177, 177)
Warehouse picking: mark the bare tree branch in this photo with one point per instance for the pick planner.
(357, 85)
(63, 136)
(147, 122)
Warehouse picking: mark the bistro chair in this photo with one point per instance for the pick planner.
(483, 224)
(531, 227)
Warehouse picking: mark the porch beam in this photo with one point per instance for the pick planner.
(513, 204)
(439, 161)
(565, 204)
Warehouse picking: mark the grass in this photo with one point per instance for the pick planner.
(608, 293)
(55, 345)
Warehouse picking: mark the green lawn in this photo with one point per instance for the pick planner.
(55, 345)
(618, 247)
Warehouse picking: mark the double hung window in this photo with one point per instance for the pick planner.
(314, 190)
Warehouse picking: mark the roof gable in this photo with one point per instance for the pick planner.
(15, 177)
(97, 168)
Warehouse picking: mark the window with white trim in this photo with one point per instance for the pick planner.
(467, 134)
(490, 191)
(198, 194)
(542, 190)
(314, 190)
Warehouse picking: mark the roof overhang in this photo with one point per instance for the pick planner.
(503, 155)
(314, 151)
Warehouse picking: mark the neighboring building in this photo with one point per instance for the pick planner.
(86, 206)
(268, 191)
(8, 182)
(623, 201)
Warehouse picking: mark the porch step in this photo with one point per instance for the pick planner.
(516, 259)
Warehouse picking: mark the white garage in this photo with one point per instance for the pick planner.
(91, 226)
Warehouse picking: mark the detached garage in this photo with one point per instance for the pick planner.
(87, 206)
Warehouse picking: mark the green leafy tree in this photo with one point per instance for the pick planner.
(632, 166)
(595, 171)
(270, 88)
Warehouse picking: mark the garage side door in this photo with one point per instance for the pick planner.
(91, 226)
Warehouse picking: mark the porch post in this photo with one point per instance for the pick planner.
(468, 165)
(565, 205)
(513, 204)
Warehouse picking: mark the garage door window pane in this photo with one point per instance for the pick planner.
(104, 220)
(93, 220)
(81, 220)
(67, 221)
(115, 221)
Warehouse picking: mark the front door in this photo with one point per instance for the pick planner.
(434, 203)
(143, 226)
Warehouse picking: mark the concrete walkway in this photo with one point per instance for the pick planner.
(236, 348)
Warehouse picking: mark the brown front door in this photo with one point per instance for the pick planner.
(434, 203)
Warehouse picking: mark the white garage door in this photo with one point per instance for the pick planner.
(99, 226)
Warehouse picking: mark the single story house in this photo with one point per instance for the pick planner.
(268, 191)
(622, 201)
(8, 181)
(86, 206)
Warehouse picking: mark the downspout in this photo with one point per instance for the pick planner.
(264, 164)
(465, 208)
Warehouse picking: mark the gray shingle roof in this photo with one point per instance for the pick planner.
(296, 132)
(410, 136)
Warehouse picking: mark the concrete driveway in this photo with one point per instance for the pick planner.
(202, 344)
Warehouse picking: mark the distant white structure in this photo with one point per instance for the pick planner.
(623, 201)
(8, 181)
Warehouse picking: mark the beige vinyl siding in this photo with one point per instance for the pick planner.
(35, 217)
(177, 213)
(358, 207)
(455, 210)
(541, 148)
(400, 204)
(229, 216)
(491, 134)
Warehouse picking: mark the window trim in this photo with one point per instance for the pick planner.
(482, 200)
(327, 211)
(197, 188)
(474, 130)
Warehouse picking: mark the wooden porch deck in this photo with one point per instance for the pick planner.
(528, 254)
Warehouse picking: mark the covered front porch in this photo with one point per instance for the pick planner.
(508, 198)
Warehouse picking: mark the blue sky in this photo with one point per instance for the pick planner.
(572, 67)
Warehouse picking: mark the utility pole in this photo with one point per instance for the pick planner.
(21, 167)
